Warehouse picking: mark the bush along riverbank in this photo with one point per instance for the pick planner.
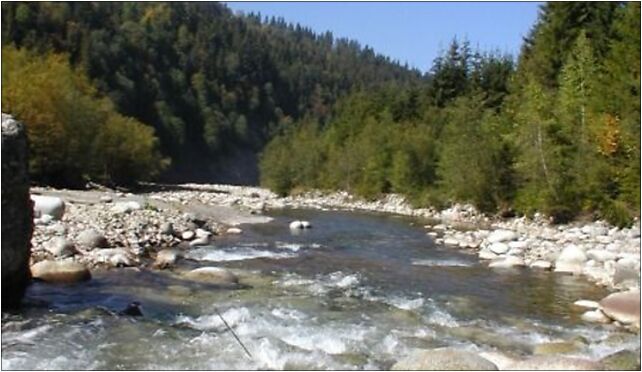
(104, 229)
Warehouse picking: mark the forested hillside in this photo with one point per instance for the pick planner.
(121, 92)
(212, 85)
(558, 133)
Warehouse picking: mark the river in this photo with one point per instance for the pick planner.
(357, 291)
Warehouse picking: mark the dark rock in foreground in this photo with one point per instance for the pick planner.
(17, 212)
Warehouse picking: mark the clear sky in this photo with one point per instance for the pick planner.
(410, 32)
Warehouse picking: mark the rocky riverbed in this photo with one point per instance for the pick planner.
(103, 228)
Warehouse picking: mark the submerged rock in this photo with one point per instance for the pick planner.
(60, 271)
(562, 347)
(212, 275)
(133, 309)
(623, 360)
(444, 359)
(555, 362)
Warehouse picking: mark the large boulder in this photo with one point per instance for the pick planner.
(48, 205)
(555, 362)
(571, 260)
(60, 271)
(17, 212)
(444, 359)
(623, 307)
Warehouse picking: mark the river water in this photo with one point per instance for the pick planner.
(357, 291)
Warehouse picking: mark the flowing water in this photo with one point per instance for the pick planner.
(357, 291)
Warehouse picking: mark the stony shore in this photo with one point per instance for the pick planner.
(106, 228)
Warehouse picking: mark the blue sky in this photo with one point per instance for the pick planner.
(410, 32)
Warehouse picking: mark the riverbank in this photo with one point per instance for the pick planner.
(604, 254)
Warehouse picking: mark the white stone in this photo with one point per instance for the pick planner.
(205, 240)
(187, 235)
(521, 244)
(200, 233)
(508, 261)
(234, 230)
(486, 255)
(296, 225)
(600, 255)
(300, 225)
(587, 304)
(571, 260)
(501, 236)
(595, 316)
(541, 264)
(498, 248)
(51, 205)
(451, 241)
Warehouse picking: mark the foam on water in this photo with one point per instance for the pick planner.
(289, 246)
(442, 262)
(321, 284)
(213, 321)
(233, 254)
